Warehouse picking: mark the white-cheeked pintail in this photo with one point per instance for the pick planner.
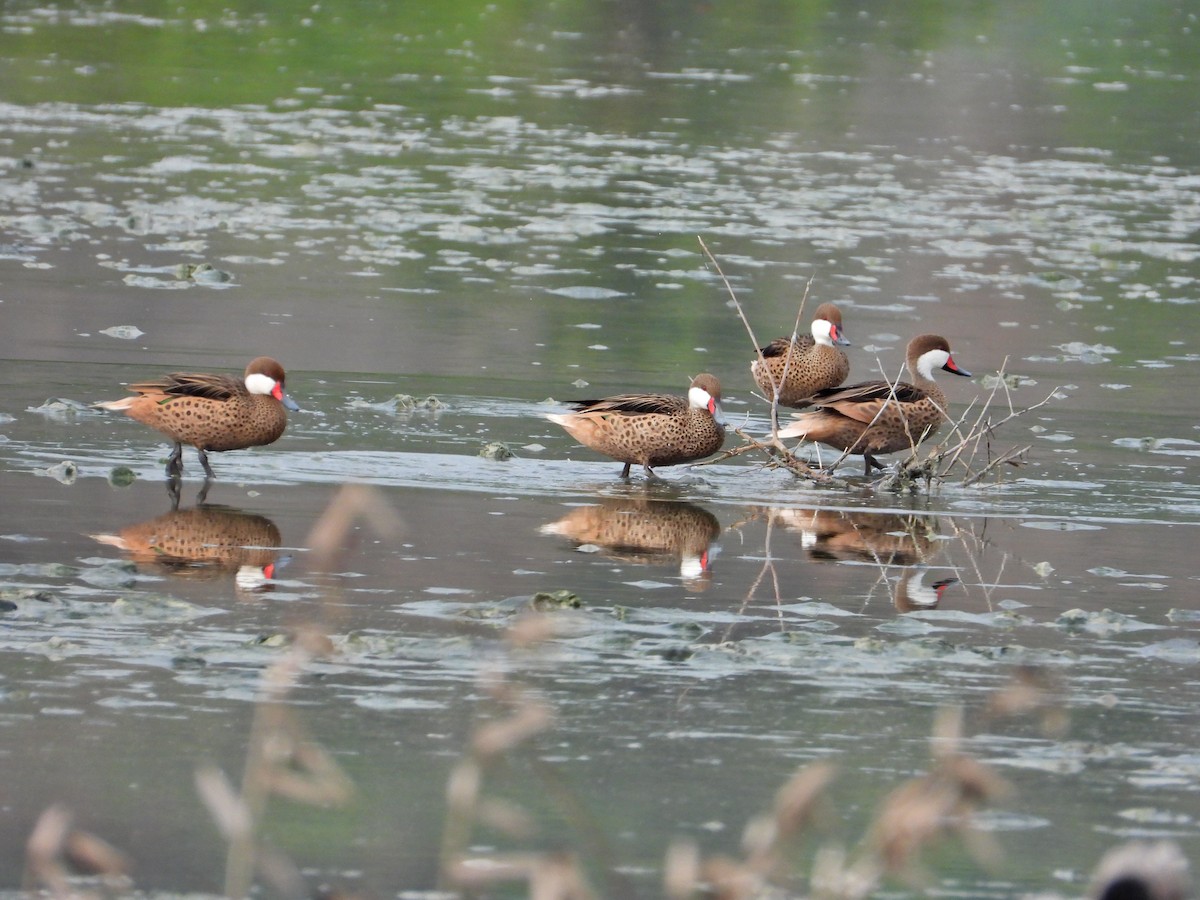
(801, 367)
(876, 416)
(212, 412)
(651, 429)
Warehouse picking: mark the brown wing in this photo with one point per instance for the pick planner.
(184, 384)
(863, 401)
(633, 405)
(779, 346)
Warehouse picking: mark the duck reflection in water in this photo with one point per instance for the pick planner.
(205, 542)
(891, 539)
(647, 532)
(912, 594)
(886, 539)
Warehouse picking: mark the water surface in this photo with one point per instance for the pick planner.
(497, 205)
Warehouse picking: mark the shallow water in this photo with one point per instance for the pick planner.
(496, 207)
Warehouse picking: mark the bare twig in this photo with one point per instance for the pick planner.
(782, 457)
(776, 386)
(56, 851)
(552, 876)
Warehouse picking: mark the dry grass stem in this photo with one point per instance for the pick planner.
(798, 805)
(937, 805)
(730, 879)
(506, 817)
(496, 738)
(224, 804)
(43, 850)
(919, 813)
(56, 852)
(681, 870)
(1032, 691)
(281, 759)
(280, 874)
(776, 385)
(532, 629)
(90, 854)
(328, 539)
(550, 876)
(303, 771)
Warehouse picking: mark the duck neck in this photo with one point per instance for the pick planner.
(922, 377)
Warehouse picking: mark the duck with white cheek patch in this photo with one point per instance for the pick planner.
(651, 429)
(212, 412)
(876, 416)
(799, 368)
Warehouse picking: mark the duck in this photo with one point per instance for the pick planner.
(646, 531)
(204, 541)
(875, 417)
(211, 412)
(802, 365)
(889, 539)
(650, 429)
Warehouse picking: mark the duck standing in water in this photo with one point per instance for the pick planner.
(879, 417)
(651, 429)
(805, 365)
(212, 412)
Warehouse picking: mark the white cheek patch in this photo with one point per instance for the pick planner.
(702, 399)
(822, 330)
(259, 383)
(251, 578)
(930, 360)
(691, 567)
(921, 594)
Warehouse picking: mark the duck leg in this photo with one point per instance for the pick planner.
(175, 462)
(173, 492)
(209, 474)
(871, 463)
(625, 471)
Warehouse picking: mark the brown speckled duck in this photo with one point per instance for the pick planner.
(212, 412)
(201, 542)
(889, 539)
(846, 417)
(646, 531)
(803, 366)
(651, 429)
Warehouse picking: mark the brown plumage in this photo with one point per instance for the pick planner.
(890, 539)
(808, 364)
(646, 531)
(878, 417)
(651, 429)
(212, 412)
(202, 542)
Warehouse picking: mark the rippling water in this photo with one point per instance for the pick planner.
(500, 209)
